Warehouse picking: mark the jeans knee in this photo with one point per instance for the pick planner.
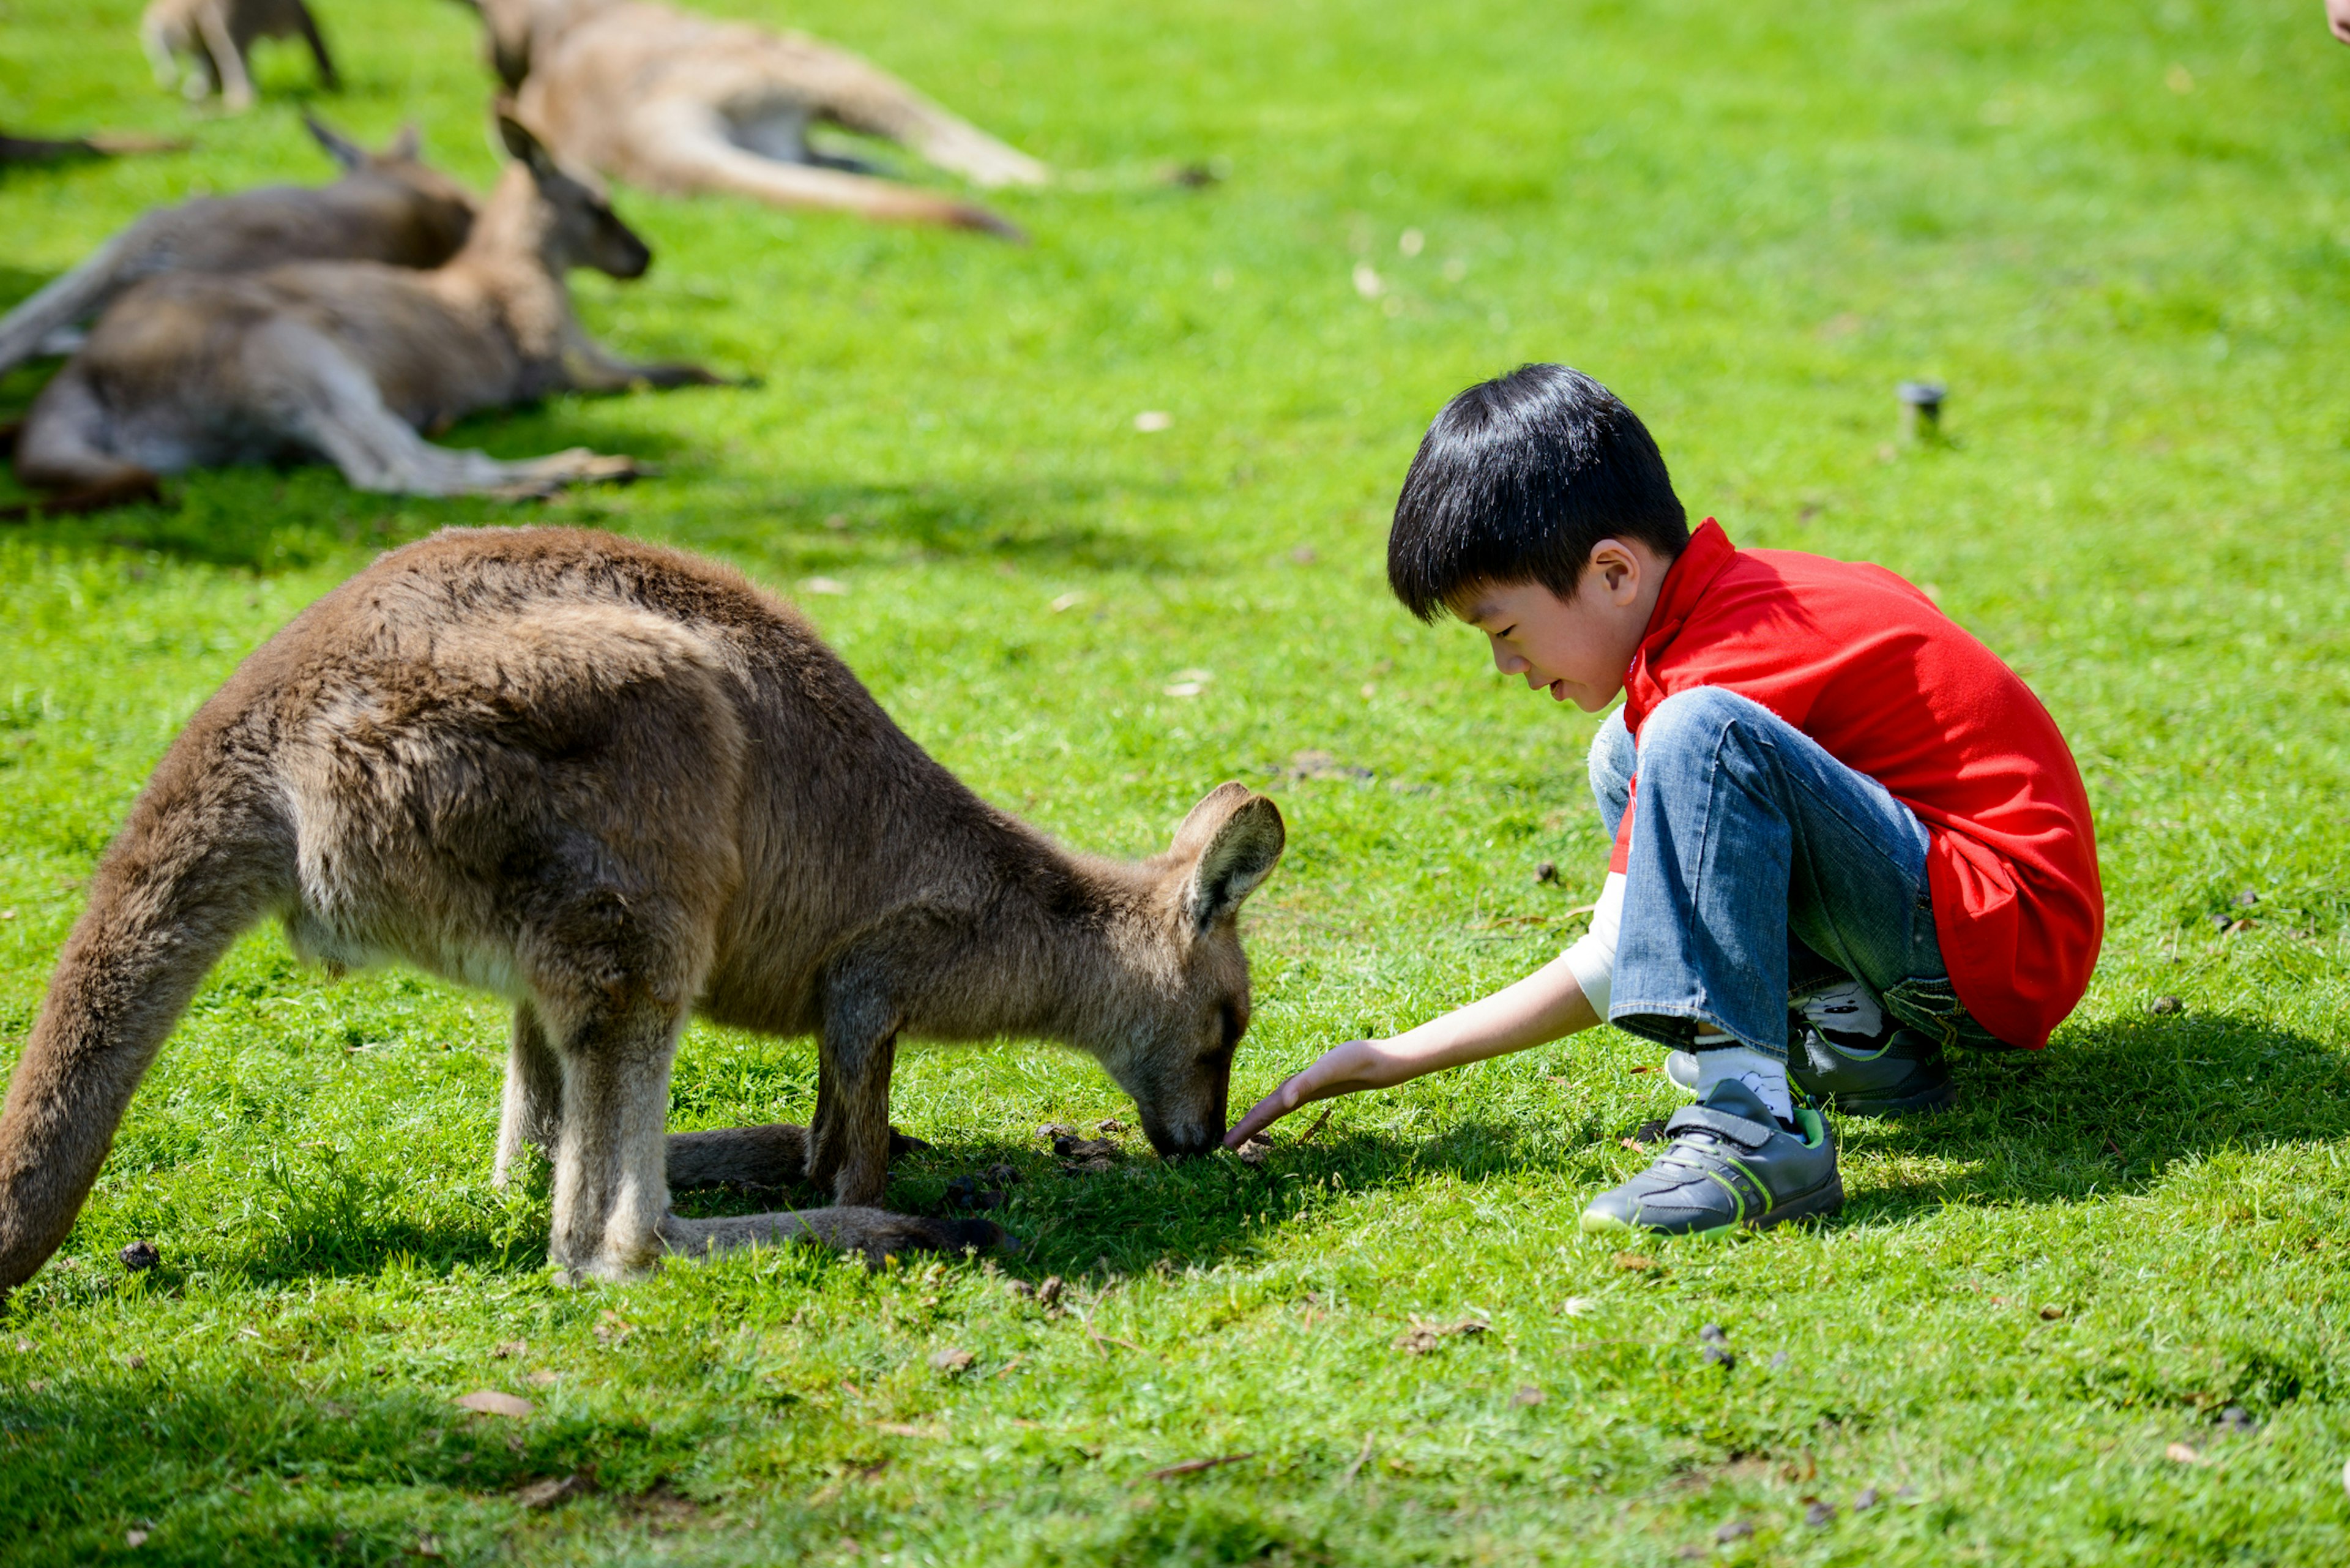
(1612, 764)
(1692, 722)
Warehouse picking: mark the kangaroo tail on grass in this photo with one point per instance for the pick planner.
(204, 855)
(76, 295)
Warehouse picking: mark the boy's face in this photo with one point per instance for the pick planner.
(1581, 645)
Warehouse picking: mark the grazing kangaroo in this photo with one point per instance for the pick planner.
(349, 359)
(622, 786)
(678, 102)
(389, 207)
(218, 37)
(103, 144)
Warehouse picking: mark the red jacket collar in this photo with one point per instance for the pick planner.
(1685, 580)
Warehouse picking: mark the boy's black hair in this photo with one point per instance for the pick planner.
(1516, 480)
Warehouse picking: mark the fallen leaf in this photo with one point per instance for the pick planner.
(541, 1378)
(2052, 1313)
(901, 1430)
(552, 1490)
(1423, 1337)
(1068, 601)
(1820, 1515)
(611, 1329)
(1635, 1261)
(1255, 1151)
(1578, 1306)
(1151, 420)
(823, 586)
(489, 1401)
(950, 1360)
(2181, 1453)
(134, 1538)
(1529, 1395)
(1193, 1466)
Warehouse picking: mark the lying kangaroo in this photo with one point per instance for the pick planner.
(389, 207)
(218, 37)
(678, 102)
(349, 359)
(622, 786)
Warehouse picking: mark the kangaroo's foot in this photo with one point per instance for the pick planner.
(774, 1154)
(876, 1233)
(538, 478)
(122, 491)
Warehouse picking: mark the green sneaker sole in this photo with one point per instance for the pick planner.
(1818, 1203)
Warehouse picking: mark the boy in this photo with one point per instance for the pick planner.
(1847, 837)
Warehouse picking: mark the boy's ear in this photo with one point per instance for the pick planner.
(340, 148)
(1240, 837)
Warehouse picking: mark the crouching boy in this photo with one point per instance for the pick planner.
(1848, 838)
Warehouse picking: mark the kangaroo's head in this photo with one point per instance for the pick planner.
(1175, 1055)
(577, 225)
(440, 204)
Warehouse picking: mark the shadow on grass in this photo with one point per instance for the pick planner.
(2110, 1110)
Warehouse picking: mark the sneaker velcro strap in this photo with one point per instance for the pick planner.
(1747, 1135)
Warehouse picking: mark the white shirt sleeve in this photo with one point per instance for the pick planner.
(1593, 957)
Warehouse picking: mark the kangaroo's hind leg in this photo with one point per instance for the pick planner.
(329, 403)
(611, 1186)
(772, 1154)
(61, 448)
(680, 145)
(533, 1115)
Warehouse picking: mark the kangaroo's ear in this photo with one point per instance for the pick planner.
(1243, 837)
(408, 146)
(522, 144)
(340, 148)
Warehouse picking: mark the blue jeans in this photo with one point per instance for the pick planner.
(1762, 869)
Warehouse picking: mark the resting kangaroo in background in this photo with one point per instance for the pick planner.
(219, 35)
(349, 359)
(388, 207)
(621, 786)
(677, 103)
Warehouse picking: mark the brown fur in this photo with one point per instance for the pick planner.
(621, 786)
(218, 37)
(350, 360)
(389, 207)
(677, 103)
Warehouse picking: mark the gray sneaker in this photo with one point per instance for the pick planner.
(1861, 1078)
(1729, 1163)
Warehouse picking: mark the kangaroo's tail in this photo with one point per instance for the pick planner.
(206, 853)
(72, 296)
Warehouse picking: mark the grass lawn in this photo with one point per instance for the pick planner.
(2119, 231)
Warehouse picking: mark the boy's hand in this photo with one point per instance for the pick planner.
(1340, 1070)
(1544, 1005)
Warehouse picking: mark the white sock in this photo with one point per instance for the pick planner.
(1767, 1078)
(1845, 1008)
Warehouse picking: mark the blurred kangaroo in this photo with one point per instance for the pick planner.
(678, 102)
(622, 786)
(101, 144)
(218, 37)
(389, 207)
(349, 359)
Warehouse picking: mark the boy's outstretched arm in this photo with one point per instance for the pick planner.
(1545, 1005)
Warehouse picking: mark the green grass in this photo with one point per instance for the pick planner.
(1750, 221)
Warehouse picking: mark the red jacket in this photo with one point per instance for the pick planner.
(1864, 665)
